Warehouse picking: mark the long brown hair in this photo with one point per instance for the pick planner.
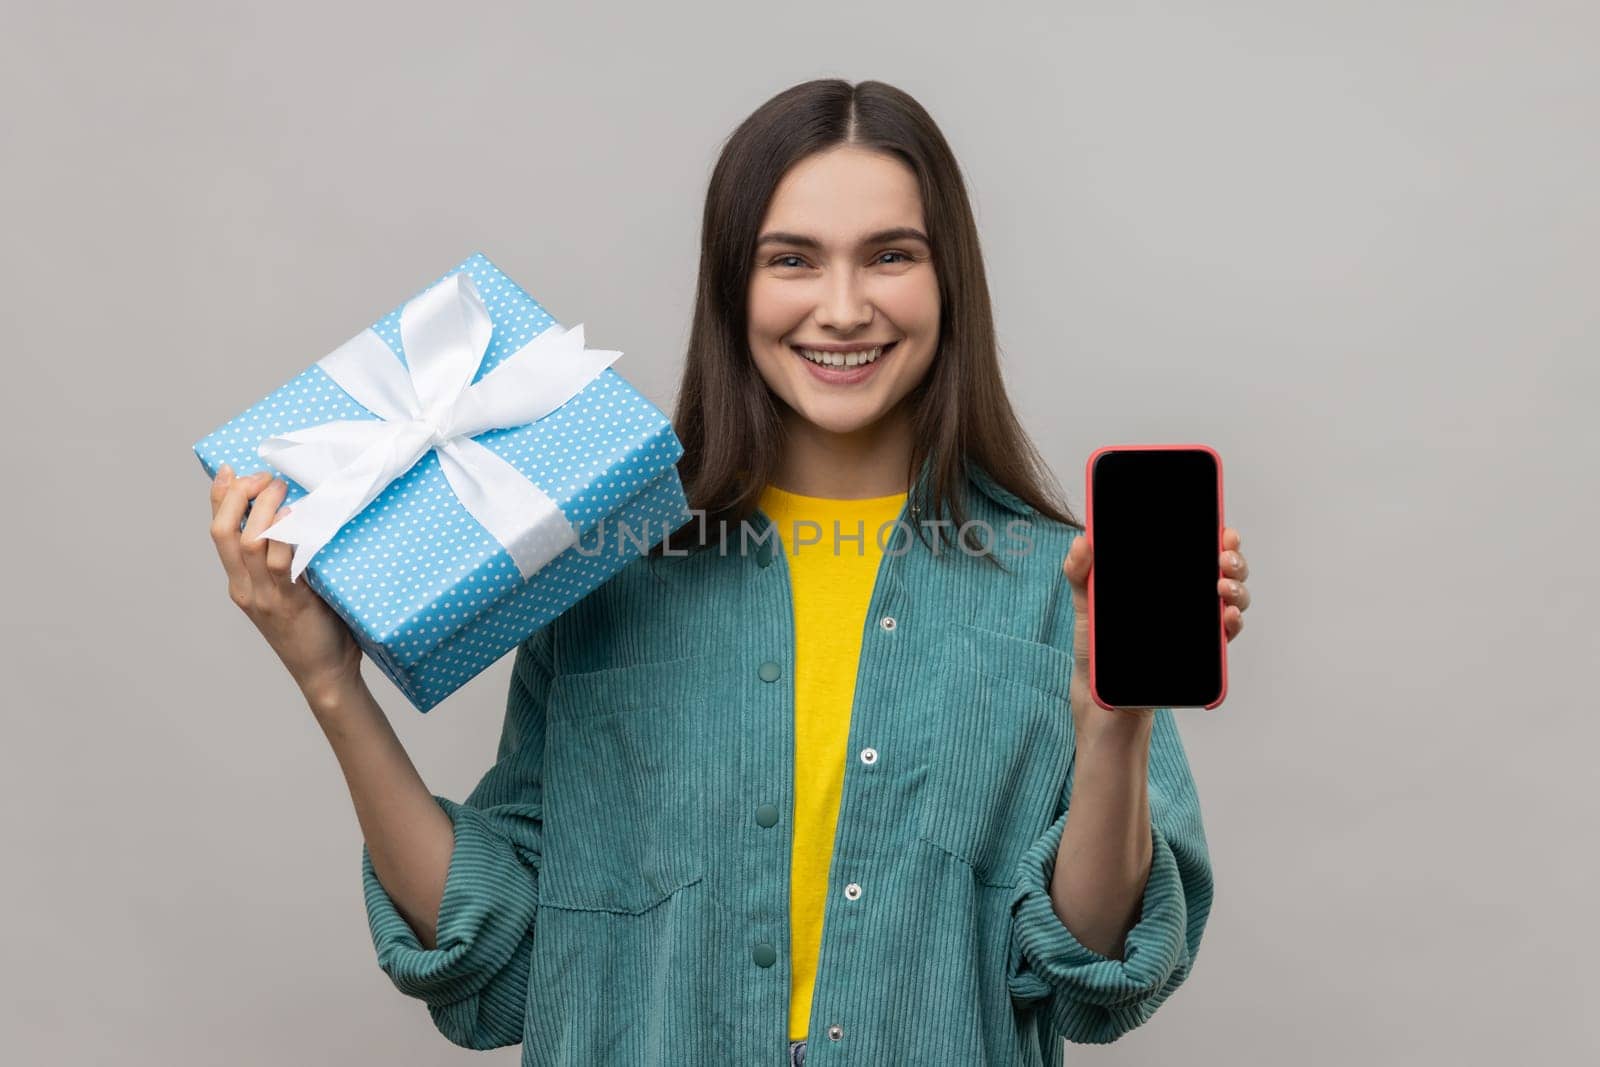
(727, 417)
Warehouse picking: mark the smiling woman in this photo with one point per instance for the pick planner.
(836, 222)
(858, 303)
(750, 805)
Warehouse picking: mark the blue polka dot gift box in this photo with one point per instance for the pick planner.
(460, 473)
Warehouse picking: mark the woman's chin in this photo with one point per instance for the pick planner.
(838, 416)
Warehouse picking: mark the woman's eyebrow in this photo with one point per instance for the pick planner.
(898, 233)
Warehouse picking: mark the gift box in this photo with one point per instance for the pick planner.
(461, 473)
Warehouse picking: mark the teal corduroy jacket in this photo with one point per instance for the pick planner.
(618, 891)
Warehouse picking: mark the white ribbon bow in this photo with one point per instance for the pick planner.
(428, 403)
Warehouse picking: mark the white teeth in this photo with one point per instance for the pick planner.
(841, 359)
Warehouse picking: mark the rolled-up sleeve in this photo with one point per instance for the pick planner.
(475, 981)
(1078, 993)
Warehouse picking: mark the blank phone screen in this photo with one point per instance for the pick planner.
(1155, 521)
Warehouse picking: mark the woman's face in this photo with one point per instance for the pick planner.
(843, 263)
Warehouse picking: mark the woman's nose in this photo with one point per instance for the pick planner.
(844, 306)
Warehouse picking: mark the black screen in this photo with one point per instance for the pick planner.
(1155, 523)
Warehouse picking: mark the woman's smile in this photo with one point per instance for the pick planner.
(836, 368)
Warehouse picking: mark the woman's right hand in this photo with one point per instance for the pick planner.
(313, 642)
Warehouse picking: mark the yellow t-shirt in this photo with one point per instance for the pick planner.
(831, 580)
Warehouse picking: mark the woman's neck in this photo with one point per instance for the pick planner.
(865, 463)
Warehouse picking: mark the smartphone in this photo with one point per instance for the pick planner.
(1154, 520)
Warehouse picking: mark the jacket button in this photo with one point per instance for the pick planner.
(768, 671)
(764, 955)
(767, 815)
(764, 554)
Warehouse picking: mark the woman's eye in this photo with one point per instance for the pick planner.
(797, 261)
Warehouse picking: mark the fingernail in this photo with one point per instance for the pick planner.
(224, 472)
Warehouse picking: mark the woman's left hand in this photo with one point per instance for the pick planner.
(1086, 713)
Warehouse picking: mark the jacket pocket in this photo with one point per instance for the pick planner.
(624, 810)
(1002, 745)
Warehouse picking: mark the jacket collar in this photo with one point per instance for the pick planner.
(984, 483)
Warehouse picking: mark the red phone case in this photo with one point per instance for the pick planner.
(1088, 478)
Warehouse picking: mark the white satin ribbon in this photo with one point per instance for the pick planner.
(428, 403)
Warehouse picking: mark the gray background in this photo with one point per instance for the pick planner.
(1353, 247)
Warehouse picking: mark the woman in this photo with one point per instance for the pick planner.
(820, 776)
